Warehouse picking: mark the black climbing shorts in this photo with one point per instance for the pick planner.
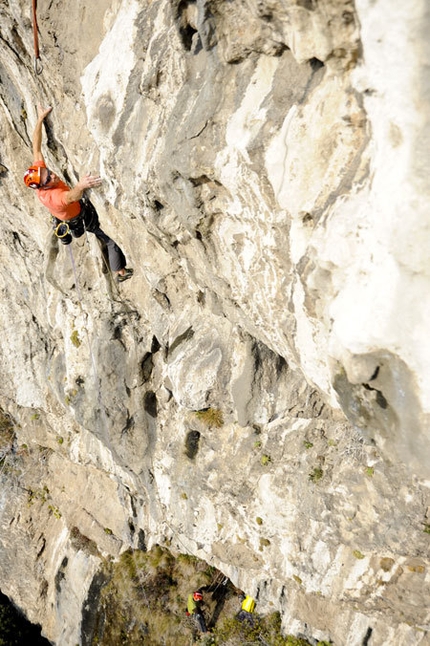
(87, 220)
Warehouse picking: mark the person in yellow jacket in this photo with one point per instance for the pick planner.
(195, 599)
(246, 612)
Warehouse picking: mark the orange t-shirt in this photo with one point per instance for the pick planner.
(54, 199)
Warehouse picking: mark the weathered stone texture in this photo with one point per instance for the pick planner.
(265, 168)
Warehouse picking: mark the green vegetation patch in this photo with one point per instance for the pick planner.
(210, 417)
(316, 474)
(7, 434)
(143, 596)
(265, 630)
(74, 338)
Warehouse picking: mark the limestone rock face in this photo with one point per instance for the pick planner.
(265, 170)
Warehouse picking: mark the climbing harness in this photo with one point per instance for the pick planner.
(38, 67)
(65, 231)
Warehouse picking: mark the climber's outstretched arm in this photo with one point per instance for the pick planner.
(37, 134)
(76, 193)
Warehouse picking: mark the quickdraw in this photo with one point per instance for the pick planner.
(38, 67)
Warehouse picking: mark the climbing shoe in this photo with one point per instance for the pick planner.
(127, 274)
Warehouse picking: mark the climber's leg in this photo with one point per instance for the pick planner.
(117, 261)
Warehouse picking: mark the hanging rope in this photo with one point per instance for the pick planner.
(37, 64)
(106, 264)
(97, 381)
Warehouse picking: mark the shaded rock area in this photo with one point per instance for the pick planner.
(15, 629)
(257, 395)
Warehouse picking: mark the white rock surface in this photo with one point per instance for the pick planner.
(265, 170)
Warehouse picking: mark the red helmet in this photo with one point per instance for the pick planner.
(32, 177)
(197, 596)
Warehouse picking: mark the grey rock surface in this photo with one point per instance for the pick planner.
(265, 170)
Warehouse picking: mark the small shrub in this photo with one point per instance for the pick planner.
(316, 474)
(210, 417)
(369, 471)
(54, 511)
(358, 554)
(82, 542)
(259, 520)
(307, 445)
(40, 495)
(265, 460)
(265, 630)
(108, 531)
(7, 433)
(290, 640)
(74, 338)
(6, 423)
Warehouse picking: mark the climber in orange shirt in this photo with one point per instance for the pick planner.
(72, 214)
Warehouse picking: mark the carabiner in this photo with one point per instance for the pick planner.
(38, 67)
(62, 230)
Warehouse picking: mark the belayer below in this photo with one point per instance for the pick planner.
(72, 214)
(194, 610)
(246, 612)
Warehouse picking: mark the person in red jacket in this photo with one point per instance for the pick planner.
(72, 214)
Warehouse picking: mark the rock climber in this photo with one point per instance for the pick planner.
(194, 603)
(71, 213)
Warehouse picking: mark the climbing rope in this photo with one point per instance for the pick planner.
(106, 264)
(223, 580)
(93, 361)
(37, 64)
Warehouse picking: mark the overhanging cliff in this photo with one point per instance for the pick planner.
(265, 169)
